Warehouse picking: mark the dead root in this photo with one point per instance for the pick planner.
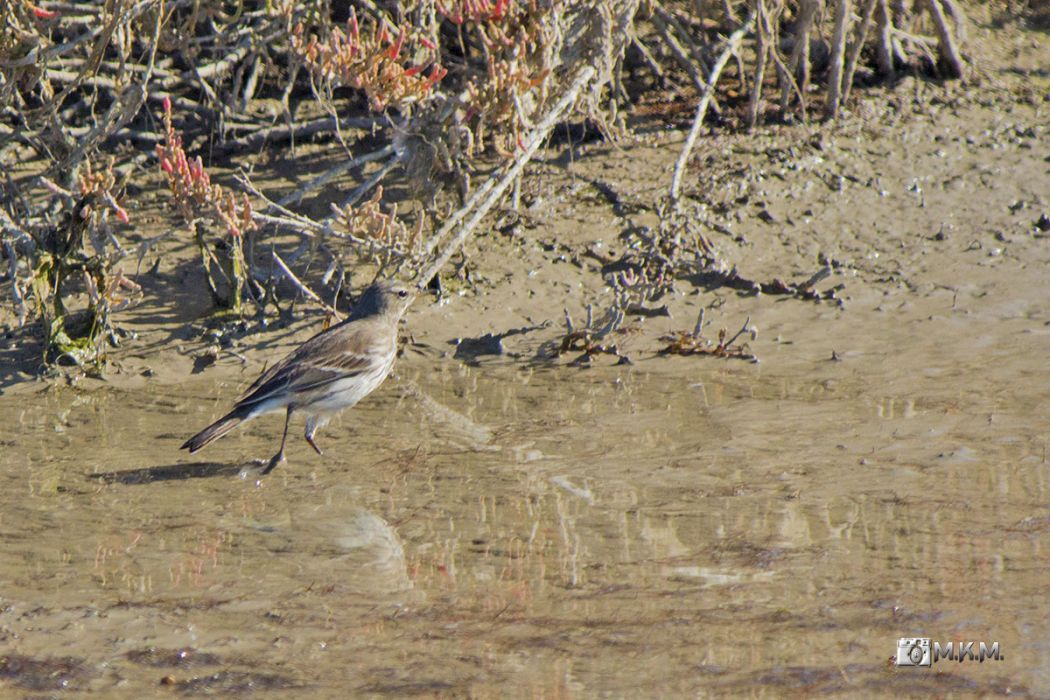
(591, 339)
(805, 290)
(693, 342)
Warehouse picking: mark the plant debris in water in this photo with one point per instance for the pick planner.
(226, 683)
(693, 342)
(591, 339)
(187, 657)
(59, 673)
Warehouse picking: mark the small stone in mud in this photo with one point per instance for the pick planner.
(205, 359)
(470, 348)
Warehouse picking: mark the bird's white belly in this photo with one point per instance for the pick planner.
(344, 393)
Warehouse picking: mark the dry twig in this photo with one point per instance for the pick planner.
(498, 182)
(701, 110)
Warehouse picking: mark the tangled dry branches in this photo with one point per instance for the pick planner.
(444, 83)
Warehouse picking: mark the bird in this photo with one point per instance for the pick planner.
(328, 373)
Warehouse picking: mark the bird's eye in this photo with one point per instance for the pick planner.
(402, 293)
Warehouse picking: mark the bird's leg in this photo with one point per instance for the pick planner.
(279, 457)
(311, 428)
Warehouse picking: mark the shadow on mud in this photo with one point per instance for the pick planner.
(172, 472)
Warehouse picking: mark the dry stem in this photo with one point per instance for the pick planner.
(683, 158)
(502, 179)
(838, 51)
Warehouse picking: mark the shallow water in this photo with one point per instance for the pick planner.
(679, 527)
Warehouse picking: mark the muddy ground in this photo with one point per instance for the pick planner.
(679, 525)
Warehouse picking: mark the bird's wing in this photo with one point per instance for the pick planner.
(313, 345)
(323, 359)
(266, 376)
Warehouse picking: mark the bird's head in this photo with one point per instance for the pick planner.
(387, 297)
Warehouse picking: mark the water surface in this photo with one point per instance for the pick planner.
(682, 527)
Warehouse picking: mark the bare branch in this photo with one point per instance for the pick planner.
(683, 158)
(838, 51)
(949, 51)
(501, 180)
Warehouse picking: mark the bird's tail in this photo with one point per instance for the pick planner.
(216, 430)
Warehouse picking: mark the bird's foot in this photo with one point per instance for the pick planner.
(277, 459)
(310, 439)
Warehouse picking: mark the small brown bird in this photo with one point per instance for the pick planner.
(330, 372)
